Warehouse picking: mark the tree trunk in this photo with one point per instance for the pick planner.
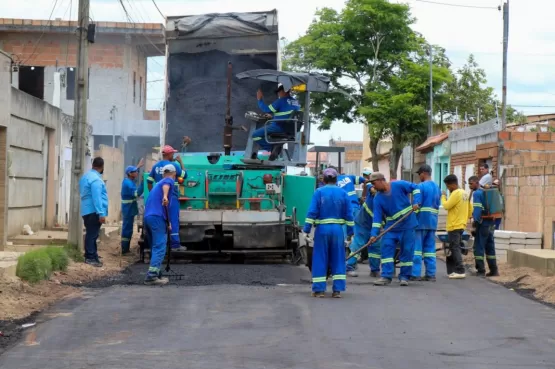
(374, 151)
(395, 156)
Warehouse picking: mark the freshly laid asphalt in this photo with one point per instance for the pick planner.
(245, 322)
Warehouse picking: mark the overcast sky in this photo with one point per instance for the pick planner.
(460, 30)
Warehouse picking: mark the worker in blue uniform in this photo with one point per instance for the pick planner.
(485, 228)
(281, 109)
(391, 204)
(425, 245)
(363, 229)
(157, 224)
(348, 184)
(129, 208)
(156, 175)
(329, 210)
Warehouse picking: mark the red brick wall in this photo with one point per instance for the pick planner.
(52, 49)
(526, 149)
(530, 200)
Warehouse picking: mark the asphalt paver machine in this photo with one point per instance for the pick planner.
(232, 205)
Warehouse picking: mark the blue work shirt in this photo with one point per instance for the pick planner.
(330, 205)
(365, 215)
(281, 109)
(348, 183)
(428, 213)
(154, 205)
(129, 195)
(157, 174)
(393, 205)
(94, 197)
(479, 208)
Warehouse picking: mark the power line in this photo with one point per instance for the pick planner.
(157, 8)
(42, 34)
(457, 5)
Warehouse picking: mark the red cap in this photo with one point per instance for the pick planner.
(168, 150)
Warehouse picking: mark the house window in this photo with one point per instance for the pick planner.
(140, 91)
(71, 76)
(134, 86)
(31, 81)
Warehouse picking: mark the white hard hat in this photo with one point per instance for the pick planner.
(367, 171)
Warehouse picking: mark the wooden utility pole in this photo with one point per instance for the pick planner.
(505, 52)
(80, 131)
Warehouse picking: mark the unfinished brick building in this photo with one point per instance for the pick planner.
(45, 59)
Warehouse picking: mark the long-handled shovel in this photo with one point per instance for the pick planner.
(354, 253)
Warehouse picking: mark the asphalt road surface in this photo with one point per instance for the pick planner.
(469, 323)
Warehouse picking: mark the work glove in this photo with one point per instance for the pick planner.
(307, 237)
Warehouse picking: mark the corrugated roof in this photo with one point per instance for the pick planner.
(433, 141)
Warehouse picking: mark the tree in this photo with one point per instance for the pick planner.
(358, 49)
(469, 95)
(399, 106)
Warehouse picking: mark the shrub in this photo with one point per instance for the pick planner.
(59, 258)
(34, 266)
(74, 254)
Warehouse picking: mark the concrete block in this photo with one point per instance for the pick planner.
(533, 247)
(533, 241)
(518, 235)
(7, 268)
(505, 241)
(542, 261)
(502, 234)
(517, 246)
(502, 246)
(534, 235)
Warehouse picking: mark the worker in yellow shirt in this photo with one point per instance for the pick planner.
(457, 217)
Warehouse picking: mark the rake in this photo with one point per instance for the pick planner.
(170, 274)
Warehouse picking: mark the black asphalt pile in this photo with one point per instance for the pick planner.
(214, 274)
(197, 102)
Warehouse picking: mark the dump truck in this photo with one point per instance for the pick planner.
(230, 204)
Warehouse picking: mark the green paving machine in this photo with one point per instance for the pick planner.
(232, 205)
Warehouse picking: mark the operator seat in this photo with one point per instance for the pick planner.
(279, 139)
(290, 135)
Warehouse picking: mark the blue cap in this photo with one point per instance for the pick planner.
(330, 172)
(130, 169)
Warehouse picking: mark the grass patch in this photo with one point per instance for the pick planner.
(37, 265)
(59, 257)
(34, 266)
(74, 254)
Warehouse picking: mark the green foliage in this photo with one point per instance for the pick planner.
(74, 254)
(59, 257)
(382, 69)
(34, 266)
(37, 265)
(358, 46)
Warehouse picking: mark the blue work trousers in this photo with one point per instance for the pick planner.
(483, 242)
(258, 136)
(424, 248)
(356, 209)
(92, 229)
(157, 233)
(329, 251)
(126, 232)
(362, 235)
(174, 219)
(405, 240)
